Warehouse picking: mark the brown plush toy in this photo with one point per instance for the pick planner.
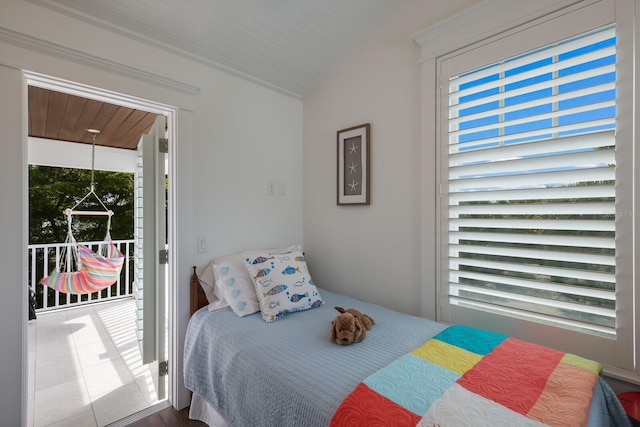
(350, 326)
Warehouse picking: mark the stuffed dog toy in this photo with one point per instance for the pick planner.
(350, 326)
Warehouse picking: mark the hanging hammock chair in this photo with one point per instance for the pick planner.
(93, 271)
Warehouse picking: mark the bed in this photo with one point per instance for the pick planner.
(245, 371)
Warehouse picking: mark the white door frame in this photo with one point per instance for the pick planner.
(85, 91)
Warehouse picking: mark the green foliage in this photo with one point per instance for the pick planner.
(52, 190)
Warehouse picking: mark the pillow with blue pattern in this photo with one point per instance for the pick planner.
(282, 284)
(237, 288)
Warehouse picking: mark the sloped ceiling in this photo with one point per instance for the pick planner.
(286, 44)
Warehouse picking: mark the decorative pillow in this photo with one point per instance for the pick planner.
(214, 292)
(237, 288)
(208, 284)
(282, 283)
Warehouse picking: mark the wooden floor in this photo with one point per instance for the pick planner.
(169, 418)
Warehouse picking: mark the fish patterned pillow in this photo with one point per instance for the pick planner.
(237, 289)
(282, 284)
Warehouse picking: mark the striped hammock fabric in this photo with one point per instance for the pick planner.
(96, 272)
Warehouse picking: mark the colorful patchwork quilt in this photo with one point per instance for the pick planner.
(464, 376)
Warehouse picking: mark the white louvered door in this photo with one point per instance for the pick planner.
(150, 241)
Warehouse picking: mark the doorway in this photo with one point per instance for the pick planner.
(86, 349)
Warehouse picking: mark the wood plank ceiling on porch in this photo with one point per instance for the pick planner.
(64, 117)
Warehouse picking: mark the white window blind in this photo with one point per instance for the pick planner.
(531, 185)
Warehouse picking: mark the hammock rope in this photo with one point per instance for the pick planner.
(94, 270)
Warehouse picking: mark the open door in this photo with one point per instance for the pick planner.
(150, 234)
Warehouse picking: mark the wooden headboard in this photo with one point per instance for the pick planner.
(198, 298)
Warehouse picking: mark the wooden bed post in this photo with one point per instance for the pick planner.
(198, 298)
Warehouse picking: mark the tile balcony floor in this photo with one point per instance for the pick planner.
(85, 368)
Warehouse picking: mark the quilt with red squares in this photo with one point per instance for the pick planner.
(464, 375)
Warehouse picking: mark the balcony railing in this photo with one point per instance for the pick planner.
(45, 257)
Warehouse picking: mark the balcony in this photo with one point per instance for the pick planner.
(85, 366)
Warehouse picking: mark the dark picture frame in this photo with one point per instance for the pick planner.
(354, 165)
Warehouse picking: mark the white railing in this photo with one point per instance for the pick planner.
(45, 257)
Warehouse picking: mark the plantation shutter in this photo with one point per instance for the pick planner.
(531, 185)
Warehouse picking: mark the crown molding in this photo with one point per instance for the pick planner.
(56, 50)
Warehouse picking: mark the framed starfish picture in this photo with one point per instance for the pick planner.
(354, 167)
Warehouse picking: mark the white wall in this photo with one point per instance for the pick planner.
(232, 137)
(247, 137)
(12, 257)
(372, 252)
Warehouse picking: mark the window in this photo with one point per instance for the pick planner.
(531, 184)
(535, 169)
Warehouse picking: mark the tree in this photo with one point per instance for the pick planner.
(52, 190)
